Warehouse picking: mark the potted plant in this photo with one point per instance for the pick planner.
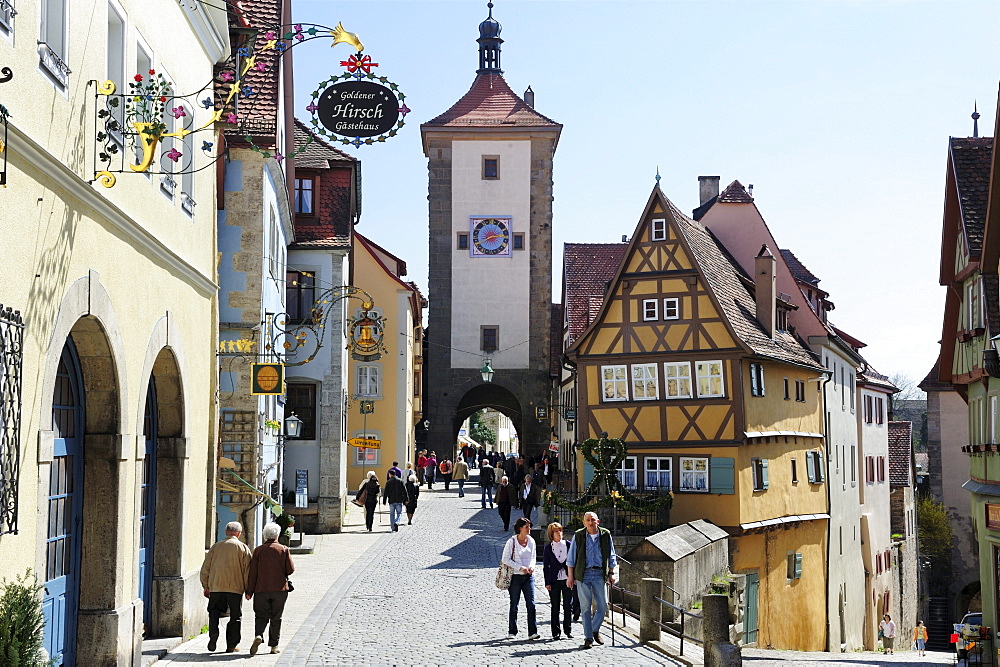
(272, 425)
(145, 108)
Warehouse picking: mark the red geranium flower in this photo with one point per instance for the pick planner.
(163, 99)
(138, 77)
(152, 71)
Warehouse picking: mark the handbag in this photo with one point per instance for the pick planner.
(505, 572)
(360, 499)
(288, 582)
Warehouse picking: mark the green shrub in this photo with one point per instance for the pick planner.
(21, 624)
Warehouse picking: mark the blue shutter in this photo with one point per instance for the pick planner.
(763, 473)
(588, 473)
(811, 468)
(798, 566)
(721, 475)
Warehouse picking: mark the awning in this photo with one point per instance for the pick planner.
(795, 518)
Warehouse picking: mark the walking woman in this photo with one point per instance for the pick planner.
(412, 491)
(554, 568)
(503, 502)
(519, 553)
(888, 628)
(430, 467)
(370, 485)
(445, 469)
(920, 638)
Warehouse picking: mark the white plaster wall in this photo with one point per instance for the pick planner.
(490, 290)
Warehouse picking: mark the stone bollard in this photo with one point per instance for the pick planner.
(719, 651)
(649, 609)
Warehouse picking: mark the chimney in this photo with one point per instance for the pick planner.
(708, 187)
(529, 97)
(763, 266)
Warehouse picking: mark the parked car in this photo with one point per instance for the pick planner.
(967, 631)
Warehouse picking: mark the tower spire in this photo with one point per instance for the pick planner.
(975, 119)
(489, 45)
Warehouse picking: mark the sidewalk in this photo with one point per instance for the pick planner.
(315, 574)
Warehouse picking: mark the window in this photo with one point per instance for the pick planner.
(11, 374)
(852, 381)
(800, 391)
(519, 241)
(489, 336)
(854, 465)
(881, 469)
(300, 295)
(626, 472)
(116, 61)
(615, 380)
(368, 381)
(491, 167)
(658, 473)
(416, 383)
(784, 385)
(463, 241)
(187, 177)
(302, 403)
(869, 469)
(364, 456)
(658, 230)
(759, 468)
(7, 13)
(645, 385)
(781, 318)
(52, 40)
(304, 196)
(167, 183)
(794, 567)
(756, 379)
(795, 471)
(143, 63)
(694, 474)
(972, 304)
(678, 378)
(671, 308)
(814, 467)
(879, 410)
(709, 378)
(991, 419)
(868, 409)
(649, 310)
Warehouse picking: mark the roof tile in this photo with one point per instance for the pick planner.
(798, 269)
(900, 453)
(735, 193)
(971, 158)
(491, 103)
(318, 153)
(587, 269)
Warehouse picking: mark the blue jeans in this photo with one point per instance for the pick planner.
(593, 592)
(522, 583)
(461, 488)
(395, 513)
(487, 491)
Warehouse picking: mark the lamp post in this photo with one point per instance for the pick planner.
(293, 426)
(486, 371)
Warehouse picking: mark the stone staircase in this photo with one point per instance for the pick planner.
(939, 624)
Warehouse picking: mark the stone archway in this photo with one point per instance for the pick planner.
(489, 395)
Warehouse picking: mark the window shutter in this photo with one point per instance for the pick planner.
(721, 477)
(820, 474)
(763, 473)
(810, 468)
(798, 566)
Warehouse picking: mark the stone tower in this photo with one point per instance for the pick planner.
(490, 279)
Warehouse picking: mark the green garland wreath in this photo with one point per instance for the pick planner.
(606, 456)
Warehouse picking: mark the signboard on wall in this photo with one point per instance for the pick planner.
(267, 380)
(301, 488)
(993, 516)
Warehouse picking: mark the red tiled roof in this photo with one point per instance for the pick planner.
(798, 269)
(335, 182)
(259, 113)
(899, 453)
(971, 159)
(491, 103)
(871, 377)
(587, 269)
(735, 193)
(318, 153)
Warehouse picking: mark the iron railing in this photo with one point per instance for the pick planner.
(11, 365)
(616, 519)
(681, 634)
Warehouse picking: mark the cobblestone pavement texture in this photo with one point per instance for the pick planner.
(421, 596)
(767, 658)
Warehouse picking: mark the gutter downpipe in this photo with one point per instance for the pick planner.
(829, 510)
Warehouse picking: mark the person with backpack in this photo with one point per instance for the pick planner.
(486, 479)
(445, 468)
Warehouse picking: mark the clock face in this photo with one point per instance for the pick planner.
(490, 237)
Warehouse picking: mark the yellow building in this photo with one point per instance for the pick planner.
(392, 383)
(109, 398)
(690, 362)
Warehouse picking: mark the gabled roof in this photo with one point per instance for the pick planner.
(587, 270)
(491, 103)
(798, 269)
(318, 154)
(900, 452)
(971, 160)
(932, 381)
(735, 193)
(873, 379)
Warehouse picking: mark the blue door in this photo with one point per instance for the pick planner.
(65, 512)
(147, 508)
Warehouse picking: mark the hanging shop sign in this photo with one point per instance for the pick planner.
(993, 516)
(365, 336)
(267, 380)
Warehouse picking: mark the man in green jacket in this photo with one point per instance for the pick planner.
(592, 563)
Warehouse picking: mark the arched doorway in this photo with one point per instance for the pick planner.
(65, 511)
(489, 395)
(147, 505)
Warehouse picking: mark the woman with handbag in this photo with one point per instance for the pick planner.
(554, 568)
(371, 489)
(412, 491)
(520, 555)
(268, 585)
(503, 502)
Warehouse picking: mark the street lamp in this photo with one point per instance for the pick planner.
(991, 357)
(486, 371)
(293, 426)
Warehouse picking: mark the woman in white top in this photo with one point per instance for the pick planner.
(888, 629)
(519, 553)
(554, 568)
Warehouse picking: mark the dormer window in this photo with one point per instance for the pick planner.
(658, 230)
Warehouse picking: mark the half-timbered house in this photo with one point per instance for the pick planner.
(689, 361)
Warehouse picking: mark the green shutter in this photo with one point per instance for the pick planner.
(820, 464)
(798, 566)
(721, 476)
(811, 467)
(763, 473)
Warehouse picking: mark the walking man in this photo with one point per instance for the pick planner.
(394, 470)
(395, 495)
(486, 480)
(592, 563)
(270, 566)
(224, 581)
(529, 496)
(460, 475)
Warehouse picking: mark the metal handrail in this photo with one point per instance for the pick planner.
(640, 567)
(681, 635)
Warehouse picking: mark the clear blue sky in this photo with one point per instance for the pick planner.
(838, 113)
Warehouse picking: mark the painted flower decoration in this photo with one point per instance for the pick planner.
(206, 146)
(207, 103)
(226, 76)
(312, 107)
(278, 156)
(178, 112)
(247, 91)
(281, 46)
(174, 154)
(152, 72)
(260, 67)
(243, 52)
(270, 34)
(232, 119)
(138, 78)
